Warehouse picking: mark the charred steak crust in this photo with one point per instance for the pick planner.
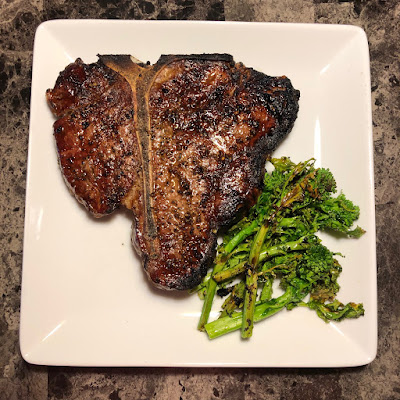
(200, 130)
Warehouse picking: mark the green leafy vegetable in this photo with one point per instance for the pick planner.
(277, 240)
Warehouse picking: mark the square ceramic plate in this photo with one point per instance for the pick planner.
(85, 299)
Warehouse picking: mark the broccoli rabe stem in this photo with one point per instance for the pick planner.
(240, 236)
(230, 273)
(250, 296)
(296, 245)
(209, 297)
(255, 249)
(262, 310)
(266, 292)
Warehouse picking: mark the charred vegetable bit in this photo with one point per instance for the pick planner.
(277, 241)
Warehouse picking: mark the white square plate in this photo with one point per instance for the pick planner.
(85, 299)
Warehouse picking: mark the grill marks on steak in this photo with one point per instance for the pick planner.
(199, 138)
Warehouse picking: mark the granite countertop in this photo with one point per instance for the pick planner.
(378, 380)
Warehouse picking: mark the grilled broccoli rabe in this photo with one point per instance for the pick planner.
(277, 240)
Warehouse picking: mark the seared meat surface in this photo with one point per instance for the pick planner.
(95, 135)
(182, 143)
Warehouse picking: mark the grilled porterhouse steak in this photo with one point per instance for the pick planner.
(182, 143)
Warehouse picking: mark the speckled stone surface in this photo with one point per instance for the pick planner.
(379, 380)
